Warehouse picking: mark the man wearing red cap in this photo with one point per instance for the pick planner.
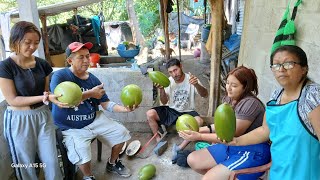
(82, 124)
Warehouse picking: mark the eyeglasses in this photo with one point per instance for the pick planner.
(285, 65)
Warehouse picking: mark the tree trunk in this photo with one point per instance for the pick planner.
(216, 53)
(134, 24)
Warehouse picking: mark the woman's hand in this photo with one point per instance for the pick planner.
(231, 143)
(53, 98)
(190, 135)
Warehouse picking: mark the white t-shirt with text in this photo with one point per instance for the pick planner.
(181, 95)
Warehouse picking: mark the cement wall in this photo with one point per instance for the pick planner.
(261, 21)
(114, 80)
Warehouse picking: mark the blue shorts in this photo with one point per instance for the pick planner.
(241, 157)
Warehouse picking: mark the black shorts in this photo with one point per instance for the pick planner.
(169, 116)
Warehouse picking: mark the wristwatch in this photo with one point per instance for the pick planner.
(210, 129)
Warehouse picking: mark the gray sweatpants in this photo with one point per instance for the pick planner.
(29, 132)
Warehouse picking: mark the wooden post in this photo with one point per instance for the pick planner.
(166, 30)
(164, 20)
(45, 38)
(162, 13)
(179, 30)
(216, 52)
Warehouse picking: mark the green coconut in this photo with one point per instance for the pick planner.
(131, 95)
(70, 91)
(147, 172)
(159, 78)
(225, 122)
(187, 122)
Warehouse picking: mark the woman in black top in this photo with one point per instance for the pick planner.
(28, 126)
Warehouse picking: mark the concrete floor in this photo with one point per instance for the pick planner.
(164, 167)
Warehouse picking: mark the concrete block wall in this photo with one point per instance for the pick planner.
(261, 21)
(114, 80)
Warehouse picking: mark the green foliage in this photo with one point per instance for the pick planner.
(148, 22)
(115, 10)
(147, 12)
(7, 5)
(149, 17)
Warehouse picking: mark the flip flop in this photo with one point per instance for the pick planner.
(175, 149)
(161, 148)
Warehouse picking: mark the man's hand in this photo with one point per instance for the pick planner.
(97, 92)
(193, 79)
(130, 109)
(195, 82)
(158, 86)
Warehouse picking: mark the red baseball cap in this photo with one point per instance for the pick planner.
(76, 46)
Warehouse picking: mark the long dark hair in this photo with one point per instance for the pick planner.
(248, 79)
(18, 31)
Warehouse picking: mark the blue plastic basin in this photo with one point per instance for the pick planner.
(127, 53)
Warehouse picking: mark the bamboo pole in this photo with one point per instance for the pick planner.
(45, 38)
(216, 52)
(179, 30)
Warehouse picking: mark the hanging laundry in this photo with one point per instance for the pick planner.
(96, 28)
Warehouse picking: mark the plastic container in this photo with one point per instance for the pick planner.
(127, 53)
(94, 59)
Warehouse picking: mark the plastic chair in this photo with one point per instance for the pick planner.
(262, 168)
(69, 169)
